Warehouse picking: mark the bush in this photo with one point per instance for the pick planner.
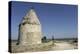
(44, 39)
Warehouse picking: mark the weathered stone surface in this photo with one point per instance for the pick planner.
(30, 29)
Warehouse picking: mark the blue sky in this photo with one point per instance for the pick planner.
(56, 19)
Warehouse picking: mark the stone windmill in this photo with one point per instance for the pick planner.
(30, 29)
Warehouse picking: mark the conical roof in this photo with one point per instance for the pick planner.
(31, 17)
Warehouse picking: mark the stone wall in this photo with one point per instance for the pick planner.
(30, 34)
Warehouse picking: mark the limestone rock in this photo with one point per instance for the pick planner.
(30, 29)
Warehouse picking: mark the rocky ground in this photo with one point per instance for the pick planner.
(49, 46)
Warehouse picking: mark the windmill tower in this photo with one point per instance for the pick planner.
(30, 29)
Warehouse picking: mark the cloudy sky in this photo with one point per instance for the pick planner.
(56, 19)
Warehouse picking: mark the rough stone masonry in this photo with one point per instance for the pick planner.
(30, 29)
